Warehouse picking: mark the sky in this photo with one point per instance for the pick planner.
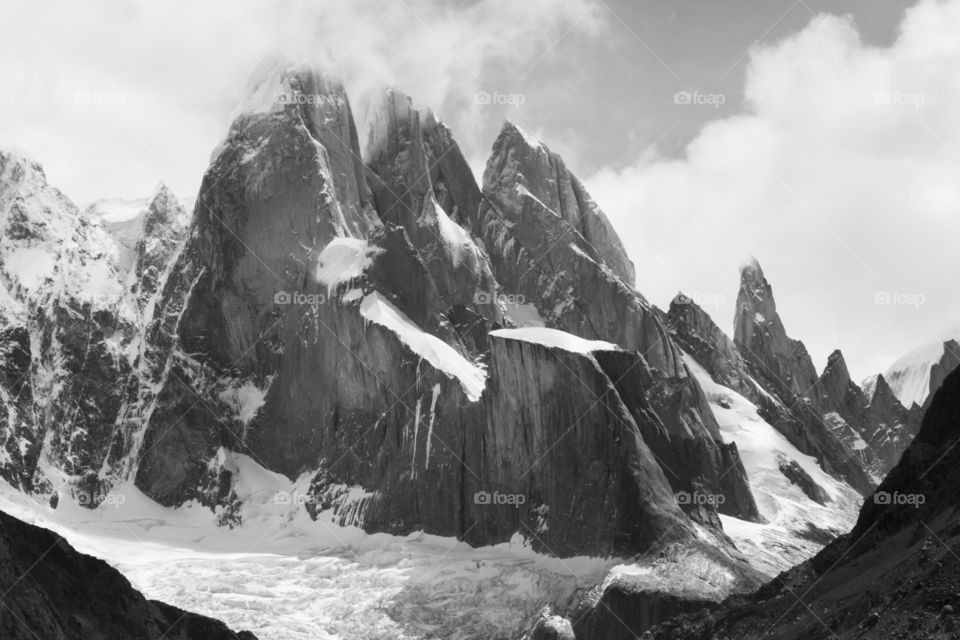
(820, 136)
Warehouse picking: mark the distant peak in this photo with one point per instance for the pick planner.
(272, 87)
(516, 133)
(836, 366)
(683, 300)
(395, 111)
(882, 387)
(162, 190)
(11, 156)
(835, 356)
(751, 267)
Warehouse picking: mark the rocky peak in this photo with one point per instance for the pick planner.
(133, 222)
(521, 166)
(698, 335)
(413, 154)
(304, 102)
(835, 381)
(762, 339)
(422, 183)
(882, 389)
(164, 210)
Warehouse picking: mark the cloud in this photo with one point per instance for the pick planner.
(111, 96)
(841, 177)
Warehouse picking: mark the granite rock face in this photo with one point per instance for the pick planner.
(343, 328)
(763, 341)
(876, 429)
(521, 164)
(338, 320)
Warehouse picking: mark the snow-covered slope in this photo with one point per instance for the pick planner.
(909, 376)
(49, 248)
(285, 577)
(796, 526)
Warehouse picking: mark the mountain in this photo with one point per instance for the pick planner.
(828, 416)
(784, 366)
(360, 325)
(125, 219)
(52, 591)
(72, 318)
(394, 388)
(893, 576)
(796, 493)
(412, 351)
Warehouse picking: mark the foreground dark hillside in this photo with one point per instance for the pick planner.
(896, 575)
(50, 591)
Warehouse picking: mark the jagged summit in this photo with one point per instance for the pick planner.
(521, 165)
(751, 264)
(272, 87)
(13, 156)
(837, 367)
(761, 336)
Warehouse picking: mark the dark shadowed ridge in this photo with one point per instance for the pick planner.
(49, 590)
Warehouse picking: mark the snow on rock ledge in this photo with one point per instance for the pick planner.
(438, 353)
(556, 339)
(344, 259)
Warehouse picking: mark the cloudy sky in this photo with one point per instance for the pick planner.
(821, 136)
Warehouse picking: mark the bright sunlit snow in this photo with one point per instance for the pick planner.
(285, 577)
(779, 543)
(344, 259)
(555, 338)
(438, 353)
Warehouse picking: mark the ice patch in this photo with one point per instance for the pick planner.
(344, 259)
(246, 399)
(524, 315)
(452, 234)
(30, 266)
